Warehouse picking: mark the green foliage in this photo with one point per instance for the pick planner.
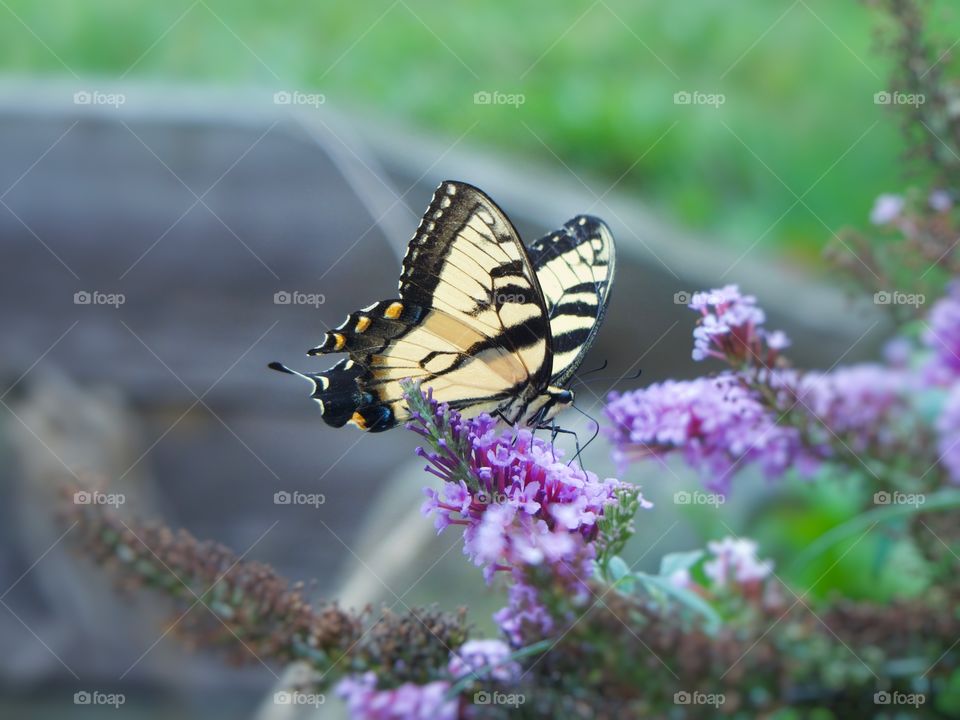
(798, 79)
(616, 527)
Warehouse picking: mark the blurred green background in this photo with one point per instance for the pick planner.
(598, 80)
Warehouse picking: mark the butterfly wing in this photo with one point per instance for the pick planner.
(470, 323)
(574, 267)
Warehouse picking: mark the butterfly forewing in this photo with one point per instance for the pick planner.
(470, 322)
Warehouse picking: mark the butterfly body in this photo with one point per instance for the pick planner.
(490, 325)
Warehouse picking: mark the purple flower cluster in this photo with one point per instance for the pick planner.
(861, 405)
(948, 426)
(778, 418)
(887, 208)
(519, 504)
(942, 336)
(523, 510)
(526, 618)
(735, 561)
(731, 329)
(484, 659)
(406, 702)
(718, 424)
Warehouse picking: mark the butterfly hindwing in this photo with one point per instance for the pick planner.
(575, 267)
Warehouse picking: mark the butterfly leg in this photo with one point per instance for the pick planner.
(555, 430)
(498, 414)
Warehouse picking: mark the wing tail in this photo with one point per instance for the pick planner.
(339, 393)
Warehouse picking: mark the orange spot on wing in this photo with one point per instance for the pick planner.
(393, 310)
(357, 419)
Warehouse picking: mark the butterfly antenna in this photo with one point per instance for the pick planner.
(634, 376)
(596, 369)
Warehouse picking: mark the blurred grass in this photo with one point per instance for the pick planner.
(599, 79)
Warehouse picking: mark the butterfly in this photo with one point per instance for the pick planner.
(490, 325)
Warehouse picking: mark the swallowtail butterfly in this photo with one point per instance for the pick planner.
(488, 324)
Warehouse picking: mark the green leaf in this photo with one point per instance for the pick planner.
(943, 500)
(674, 562)
(618, 574)
(617, 568)
(948, 699)
(689, 600)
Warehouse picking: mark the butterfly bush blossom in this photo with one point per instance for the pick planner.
(942, 336)
(731, 565)
(518, 502)
(760, 412)
(735, 561)
(480, 659)
(718, 424)
(731, 328)
(406, 702)
(522, 508)
(948, 426)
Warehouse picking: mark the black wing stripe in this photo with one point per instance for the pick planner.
(575, 266)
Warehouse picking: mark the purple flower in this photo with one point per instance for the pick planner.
(721, 424)
(518, 502)
(886, 209)
(942, 336)
(731, 329)
(897, 352)
(948, 426)
(862, 405)
(940, 200)
(485, 659)
(525, 615)
(526, 618)
(406, 702)
(718, 424)
(735, 561)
